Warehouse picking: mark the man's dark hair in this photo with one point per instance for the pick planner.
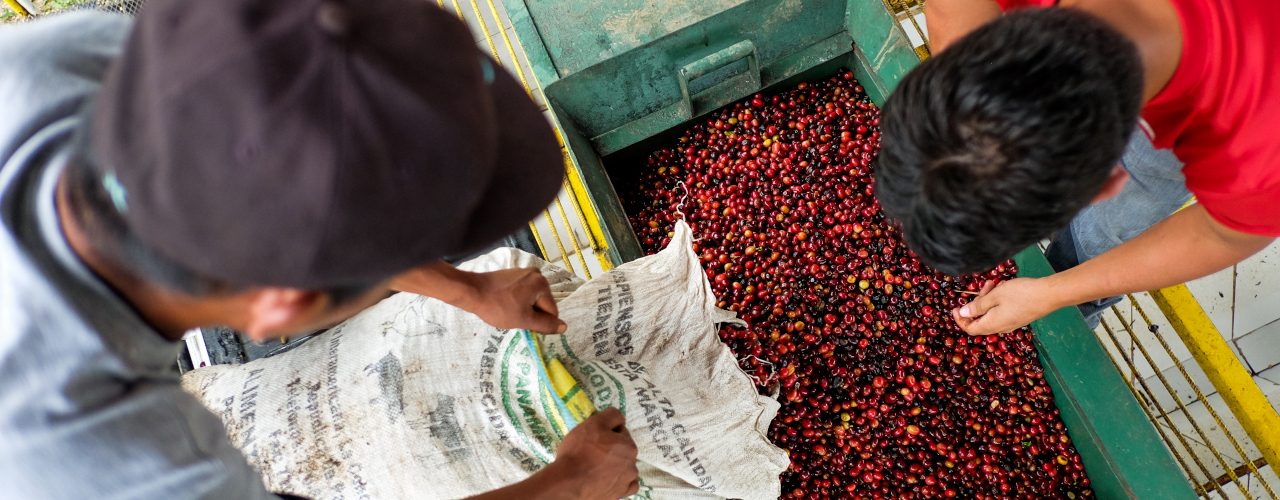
(998, 141)
(93, 210)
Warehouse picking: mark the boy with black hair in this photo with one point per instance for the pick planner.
(1060, 120)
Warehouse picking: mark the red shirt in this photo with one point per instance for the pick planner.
(1220, 113)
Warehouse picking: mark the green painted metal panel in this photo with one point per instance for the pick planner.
(581, 34)
(635, 94)
(618, 97)
(531, 41)
(887, 52)
(1123, 455)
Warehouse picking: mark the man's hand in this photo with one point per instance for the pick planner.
(1005, 307)
(600, 457)
(596, 460)
(510, 298)
(515, 298)
(1187, 245)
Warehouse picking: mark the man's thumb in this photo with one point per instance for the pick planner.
(543, 322)
(977, 308)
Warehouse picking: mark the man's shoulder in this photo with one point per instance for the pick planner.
(78, 421)
(51, 39)
(51, 67)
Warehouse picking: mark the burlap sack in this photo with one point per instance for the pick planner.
(413, 398)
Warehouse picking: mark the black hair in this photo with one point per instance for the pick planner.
(998, 141)
(96, 216)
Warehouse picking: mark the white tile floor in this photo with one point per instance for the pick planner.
(1261, 347)
(1257, 291)
(1256, 486)
(914, 35)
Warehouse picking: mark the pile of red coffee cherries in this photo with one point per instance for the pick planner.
(882, 395)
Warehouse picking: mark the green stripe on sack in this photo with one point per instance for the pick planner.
(538, 450)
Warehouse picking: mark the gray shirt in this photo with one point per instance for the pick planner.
(90, 405)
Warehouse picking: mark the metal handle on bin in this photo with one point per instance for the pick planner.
(712, 62)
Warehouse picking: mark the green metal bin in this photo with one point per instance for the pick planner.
(623, 76)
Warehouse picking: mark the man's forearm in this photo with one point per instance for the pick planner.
(949, 20)
(440, 281)
(1186, 246)
(550, 483)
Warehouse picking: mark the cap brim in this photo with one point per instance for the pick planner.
(529, 168)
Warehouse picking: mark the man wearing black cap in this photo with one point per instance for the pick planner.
(269, 165)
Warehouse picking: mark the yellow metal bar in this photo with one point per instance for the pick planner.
(484, 28)
(555, 236)
(17, 8)
(538, 238)
(587, 214)
(1228, 375)
(573, 238)
(897, 8)
(510, 48)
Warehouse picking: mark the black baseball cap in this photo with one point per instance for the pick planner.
(316, 143)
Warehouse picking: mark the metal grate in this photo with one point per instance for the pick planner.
(26, 10)
(1211, 446)
(124, 6)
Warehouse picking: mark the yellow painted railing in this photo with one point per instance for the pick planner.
(17, 7)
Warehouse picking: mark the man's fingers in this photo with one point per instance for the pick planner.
(544, 302)
(609, 418)
(982, 326)
(620, 446)
(542, 322)
(980, 305)
(545, 315)
(960, 320)
(987, 287)
(545, 305)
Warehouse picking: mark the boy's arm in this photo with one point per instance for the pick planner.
(948, 20)
(1186, 246)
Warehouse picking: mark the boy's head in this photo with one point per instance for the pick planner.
(998, 141)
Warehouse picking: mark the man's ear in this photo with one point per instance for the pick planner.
(274, 312)
(1114, 185)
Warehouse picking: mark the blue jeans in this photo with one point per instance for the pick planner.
(1156, 188)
